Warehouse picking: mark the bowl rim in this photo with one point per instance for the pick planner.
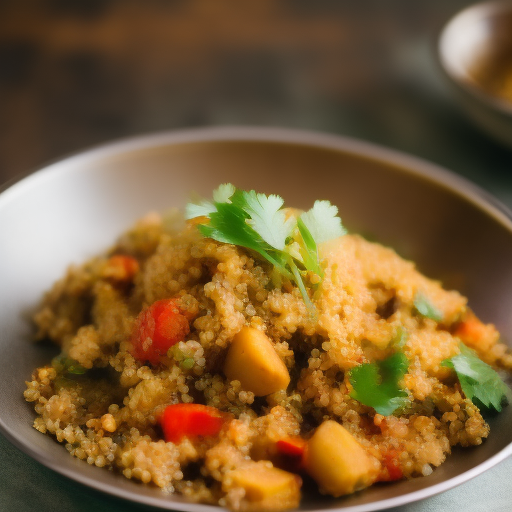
(405, 163)
(477, 11)
(401, 160)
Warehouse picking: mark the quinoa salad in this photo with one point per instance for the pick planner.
(236, 351)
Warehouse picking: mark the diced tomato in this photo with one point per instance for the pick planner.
(291, 452)
(157, 329)
(192, 421)
(391, 467)
(122, 268)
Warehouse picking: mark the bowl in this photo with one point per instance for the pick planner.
(475, 52)
(75, 208)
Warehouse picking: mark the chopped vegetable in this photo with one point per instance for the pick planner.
(475, 334)
(400, 338)
(121, 268)
(479, 382)
(258, 222)
(191, 420)
(336, 461)
(267, 488)
(64, 364)
(391, 470)
(292, 446)
(377, 384)
(184, 356)
(425, 308)
(252, 360)
(158, 328)
(291, 453)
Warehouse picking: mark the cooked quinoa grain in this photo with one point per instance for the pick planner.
(150, 381)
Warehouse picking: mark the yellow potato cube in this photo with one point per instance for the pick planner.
(337, 462)
(266, 487)
(252, 360)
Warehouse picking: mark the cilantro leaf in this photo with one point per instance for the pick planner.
(204, 207)
(266, 217)
(257, 222)
(228, 224)
(425, 308)
(323, 222)
(377, 384)
(309, 250)
(318, 225)
(223, 193)
(201, 209)
(65, 365)
(480, 382)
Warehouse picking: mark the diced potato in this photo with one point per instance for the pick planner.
(267, 488)
(252, 360)
(337, 462)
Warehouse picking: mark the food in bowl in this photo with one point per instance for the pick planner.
(232, 355)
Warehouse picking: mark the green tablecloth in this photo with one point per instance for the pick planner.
(27, 486)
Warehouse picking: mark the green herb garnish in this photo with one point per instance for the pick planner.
(377, 384)
(202, 209)
(65, 365)
(187, 363)
(480, 382)
(400, 338)
(425, 308)
(183, 355)
(258, 222)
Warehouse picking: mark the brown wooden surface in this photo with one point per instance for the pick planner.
(74, 73)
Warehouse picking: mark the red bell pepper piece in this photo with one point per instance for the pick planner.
(291, 453)
(157, 329)
(291, 446)
(192, 421)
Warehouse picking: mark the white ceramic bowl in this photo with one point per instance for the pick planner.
(75, 208)
(467, 42)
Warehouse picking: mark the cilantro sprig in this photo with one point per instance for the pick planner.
(377, 384)
(479, 381)
(258, 222)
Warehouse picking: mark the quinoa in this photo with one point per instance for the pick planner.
(105, 404)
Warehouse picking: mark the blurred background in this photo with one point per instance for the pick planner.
(75, 73)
